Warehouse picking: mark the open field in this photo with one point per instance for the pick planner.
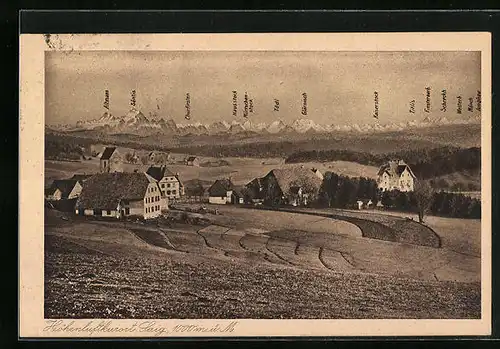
(241, 170)
(245, 264)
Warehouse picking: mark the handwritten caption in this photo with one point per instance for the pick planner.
(143, 327)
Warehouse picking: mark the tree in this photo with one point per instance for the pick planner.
(130, 158)
(309, 191)
(423, 198)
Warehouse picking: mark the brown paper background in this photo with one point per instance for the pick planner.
(31, 172)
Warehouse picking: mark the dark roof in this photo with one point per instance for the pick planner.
(105, 190)
(400, 169)
(107, 153)
(237, 193)
(256, 188)
(50, 190)
(295, 177)
(394, 169)
(256, 182)
(158, 172)
(64, 185)
(180, 183)
(81, 177)
(220, 187)
(191, 158)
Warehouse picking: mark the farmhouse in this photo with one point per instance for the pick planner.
(192, 161)
(121, 194)
(110, 160)
(294, 186)
(255, 192)
(395, 175)
(169, 182)
(223, 191)
(62, 189)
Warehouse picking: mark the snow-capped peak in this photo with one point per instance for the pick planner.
(304, 125)
(276, 126)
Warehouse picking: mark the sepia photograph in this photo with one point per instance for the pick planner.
(261, 184)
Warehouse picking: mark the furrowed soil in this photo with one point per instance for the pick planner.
(250, 263)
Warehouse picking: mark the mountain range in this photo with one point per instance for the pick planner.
(135, 122)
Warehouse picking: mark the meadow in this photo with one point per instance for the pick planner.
(248, 263)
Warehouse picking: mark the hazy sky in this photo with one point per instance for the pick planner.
(340, 86)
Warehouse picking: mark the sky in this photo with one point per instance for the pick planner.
(340, 86)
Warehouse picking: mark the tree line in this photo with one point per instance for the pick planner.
(439, 203)
(343, 192)
(59, 150)
(425, 163)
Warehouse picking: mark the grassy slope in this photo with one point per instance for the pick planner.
(241, 170)
(171, 288)
(246, 272)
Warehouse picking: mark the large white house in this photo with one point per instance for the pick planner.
(395, 175)
(170, 183)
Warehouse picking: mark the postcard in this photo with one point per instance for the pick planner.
(235, 185)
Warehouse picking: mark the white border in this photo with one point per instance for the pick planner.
(31, 172)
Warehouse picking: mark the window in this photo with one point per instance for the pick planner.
(168, 185)
(108, 212)
(127, 211)
(174, 192)
(168, 192)
(163, 185)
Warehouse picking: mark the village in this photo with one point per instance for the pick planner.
(284, 222)
(295, 211)
(115, 193)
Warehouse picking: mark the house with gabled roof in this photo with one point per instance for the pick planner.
(395, 175)
(169, 182)
(295, 186)
(255, 191)
(223, 191)
(192, 161)
(63, 189)
(110, 160)
(121, 194)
